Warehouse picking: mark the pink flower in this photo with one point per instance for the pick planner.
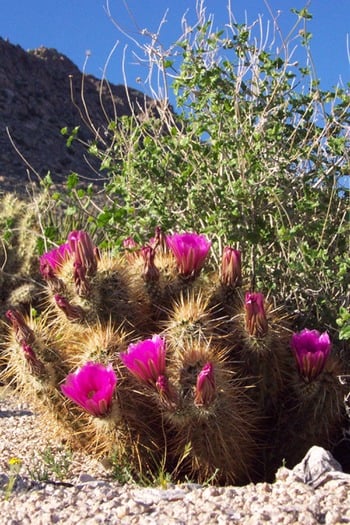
(255, 316)
(231, 267)
(190, 251)
(52, 260)
(92, 387)
(146, 359)
(205, 387)
(311, 350)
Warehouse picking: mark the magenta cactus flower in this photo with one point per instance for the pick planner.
(311, 350)
(231, 267)
(92, 387)
(255, 316)
(205, 392)
(146, 359)
(51, 261)
(190, 251)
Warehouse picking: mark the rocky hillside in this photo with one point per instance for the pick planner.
(40, 93)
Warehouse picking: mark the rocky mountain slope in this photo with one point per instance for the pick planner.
(40, 93)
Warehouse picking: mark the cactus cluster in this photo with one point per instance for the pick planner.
(18, 258)
(150, 357)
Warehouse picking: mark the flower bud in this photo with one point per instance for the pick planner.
(150, 271)
(86, 256)
(255, 316)
(84, 250)
(35, 365)
(167, 394)
(71, 311)
(24, 334)
(205, 392)
(231, 269)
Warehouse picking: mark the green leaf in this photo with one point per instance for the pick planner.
(302, 13)
(72, 180)
(72, 136)
(47, 180)
(344, 333)
(168, 63)
(71, 210)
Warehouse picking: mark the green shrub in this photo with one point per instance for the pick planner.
(255, 156)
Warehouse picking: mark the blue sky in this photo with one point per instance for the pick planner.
(75, 26)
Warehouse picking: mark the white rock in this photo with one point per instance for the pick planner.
(319, 467)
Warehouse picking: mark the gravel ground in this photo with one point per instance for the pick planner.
(55, 487)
